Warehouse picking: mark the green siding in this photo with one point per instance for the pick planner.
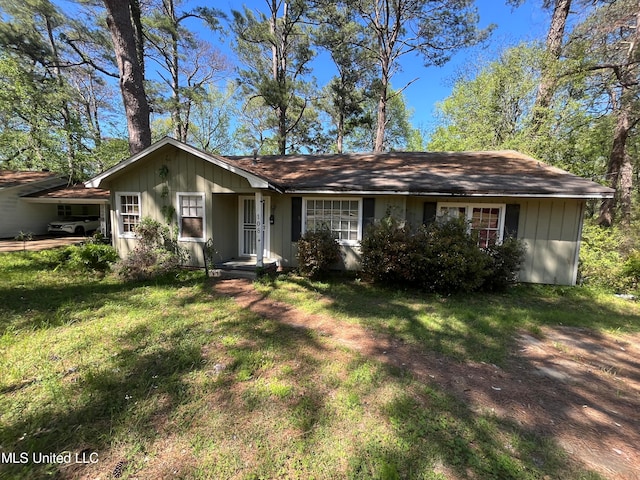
(186, 173)
(548, 227)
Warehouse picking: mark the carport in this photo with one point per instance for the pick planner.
(77, 200)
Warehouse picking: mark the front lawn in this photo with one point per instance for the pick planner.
(167, 379)
(477, 326)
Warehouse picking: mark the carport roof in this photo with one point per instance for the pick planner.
(14, 178)
(75, 194)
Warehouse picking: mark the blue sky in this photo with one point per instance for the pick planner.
(433, 84)
(528, 22)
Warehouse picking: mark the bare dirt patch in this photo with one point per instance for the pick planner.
(577, 386)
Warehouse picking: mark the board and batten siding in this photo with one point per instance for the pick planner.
(185, 173)
(285, 249)
(550, 230)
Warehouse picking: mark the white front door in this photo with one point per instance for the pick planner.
(248, 232)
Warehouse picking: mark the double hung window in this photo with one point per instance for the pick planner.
(191, 216)
(129, 213)
(485, 220)
(343, 216)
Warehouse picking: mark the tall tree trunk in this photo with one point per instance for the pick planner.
(388, 25)
(92, 112)
(121, 27)
(138, 33)
(279, 65)
(381, 123)
(383, 98)
(620, 168)
(179, 126)
(619, 171)
(547, 85)
(340, 132)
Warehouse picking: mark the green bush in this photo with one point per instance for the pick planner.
(88, 257)
(92, 257)
(505, 260)
(602, 258)
(156, 253)
(55, 257)
(317, 252)
(450, 259)
(443, 257)
(385, 249)
(631, 269)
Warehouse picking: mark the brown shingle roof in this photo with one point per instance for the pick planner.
(76, 192)
(458, 173)
(12, 178)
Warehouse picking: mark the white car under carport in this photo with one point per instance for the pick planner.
(76, 225)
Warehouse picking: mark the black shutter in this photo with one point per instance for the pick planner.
(368, 213)
(511, 219)
(429, 212)
(296, 218)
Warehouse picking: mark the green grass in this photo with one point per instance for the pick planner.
(477, 327)
(181, 383)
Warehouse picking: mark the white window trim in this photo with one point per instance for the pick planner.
(119, 195)
(348, 199)
(471, 206)
(179, 216)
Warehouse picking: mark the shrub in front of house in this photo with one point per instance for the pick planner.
(156, 253)
(317, 252)
(387, 251)
(93, 257)
(505, 261)
(450, 260)
(55, 257)
(631, 269)
(87, 257)
(443, 257)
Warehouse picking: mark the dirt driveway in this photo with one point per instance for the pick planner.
(577, 386)
(38, 243)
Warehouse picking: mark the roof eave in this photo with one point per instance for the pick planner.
(62, 181)
(67, 201)
(324, 191)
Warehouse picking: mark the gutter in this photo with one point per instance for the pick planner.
(581, 196)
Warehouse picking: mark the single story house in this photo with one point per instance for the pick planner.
(29, 200)
(258, 207)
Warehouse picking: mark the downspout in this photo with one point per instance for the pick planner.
(576, 259)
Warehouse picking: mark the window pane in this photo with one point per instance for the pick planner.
(129, 212)
(192, 215)
(192, 228)
(486, 221)
(340, 216)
